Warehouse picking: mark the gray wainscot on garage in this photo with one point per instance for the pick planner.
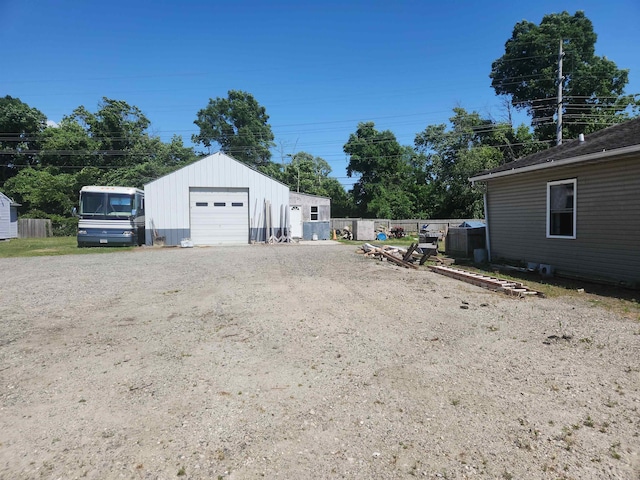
(310, 216)
(214, 201)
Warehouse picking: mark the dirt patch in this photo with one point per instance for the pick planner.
(297, 361)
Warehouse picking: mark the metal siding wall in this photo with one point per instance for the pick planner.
(5, 217)
(607, 225)
(517, 218)
(167, 199)
(321, 229)
(13, 222)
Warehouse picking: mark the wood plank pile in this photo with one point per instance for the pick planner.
(398, 255)
(492, 283)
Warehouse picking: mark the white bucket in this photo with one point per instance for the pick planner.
(314, 236)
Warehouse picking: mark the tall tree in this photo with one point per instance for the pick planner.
(239, 124)
(452, 155)
(20, 128)
(308, 174)
(593, 86)
(383, 167)
(117, 127)
(68, 146)
(156, 159)
(38, 189)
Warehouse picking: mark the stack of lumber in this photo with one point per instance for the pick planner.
(492, 283)
(398, 255)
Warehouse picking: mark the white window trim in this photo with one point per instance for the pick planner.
(317, 213)
(574, 181)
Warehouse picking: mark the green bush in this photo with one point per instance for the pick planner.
(34, 213)
(63, 226)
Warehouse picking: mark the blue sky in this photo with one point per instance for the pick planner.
(318, 68)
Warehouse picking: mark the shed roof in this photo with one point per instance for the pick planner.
(219, 158)
(620, 139)
(12, 203)
(309, 195)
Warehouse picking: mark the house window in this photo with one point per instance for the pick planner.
(314, 214)
(561, 209)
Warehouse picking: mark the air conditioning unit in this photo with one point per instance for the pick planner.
(546, 270)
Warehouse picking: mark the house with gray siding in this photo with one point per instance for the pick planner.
(310, 215)
(8, 218)
(573, 209)
(216, 200)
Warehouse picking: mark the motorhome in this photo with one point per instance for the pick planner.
(110, 216)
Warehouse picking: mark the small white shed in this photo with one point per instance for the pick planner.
(310, 216)
(216, 200)
(8, 217)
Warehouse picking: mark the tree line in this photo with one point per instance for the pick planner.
(43, 167)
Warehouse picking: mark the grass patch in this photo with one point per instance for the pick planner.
(619, 300)
(42, 247)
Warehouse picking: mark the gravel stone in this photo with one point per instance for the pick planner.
(303, 361)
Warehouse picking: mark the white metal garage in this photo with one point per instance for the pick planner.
(216, 200)
(219, 215)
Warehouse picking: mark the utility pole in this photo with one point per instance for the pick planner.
(560, 85)
(298, 169)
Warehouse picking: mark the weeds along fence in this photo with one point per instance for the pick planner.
(34, 228)
(410, 226)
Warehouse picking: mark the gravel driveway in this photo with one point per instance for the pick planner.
(303, 362)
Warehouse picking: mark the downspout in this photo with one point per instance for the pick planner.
(486, 220)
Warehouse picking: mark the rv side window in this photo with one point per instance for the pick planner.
(140, 202)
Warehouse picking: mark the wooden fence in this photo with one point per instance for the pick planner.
(410, 226)
(34, 228)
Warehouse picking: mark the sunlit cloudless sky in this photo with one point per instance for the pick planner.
(317, 67)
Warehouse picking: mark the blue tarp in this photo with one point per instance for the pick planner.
(473, 224)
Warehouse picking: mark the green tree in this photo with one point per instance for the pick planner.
(341, 201)
(117, 128)
(384, 170)
(38, 189)
(88, 176)
(20, 128)
(239, 124)
(527, 72)
(156, 159)
(450, 156)
(68, 147)
(308, 174)
(273, 170)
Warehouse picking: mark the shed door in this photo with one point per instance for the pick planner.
(296, 221)
(219, 215)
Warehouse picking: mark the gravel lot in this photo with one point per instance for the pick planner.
(304, 362)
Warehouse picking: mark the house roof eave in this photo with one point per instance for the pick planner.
(604, 155)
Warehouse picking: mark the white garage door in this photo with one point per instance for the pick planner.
(219, 215)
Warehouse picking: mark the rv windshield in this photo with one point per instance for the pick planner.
(109, 204)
